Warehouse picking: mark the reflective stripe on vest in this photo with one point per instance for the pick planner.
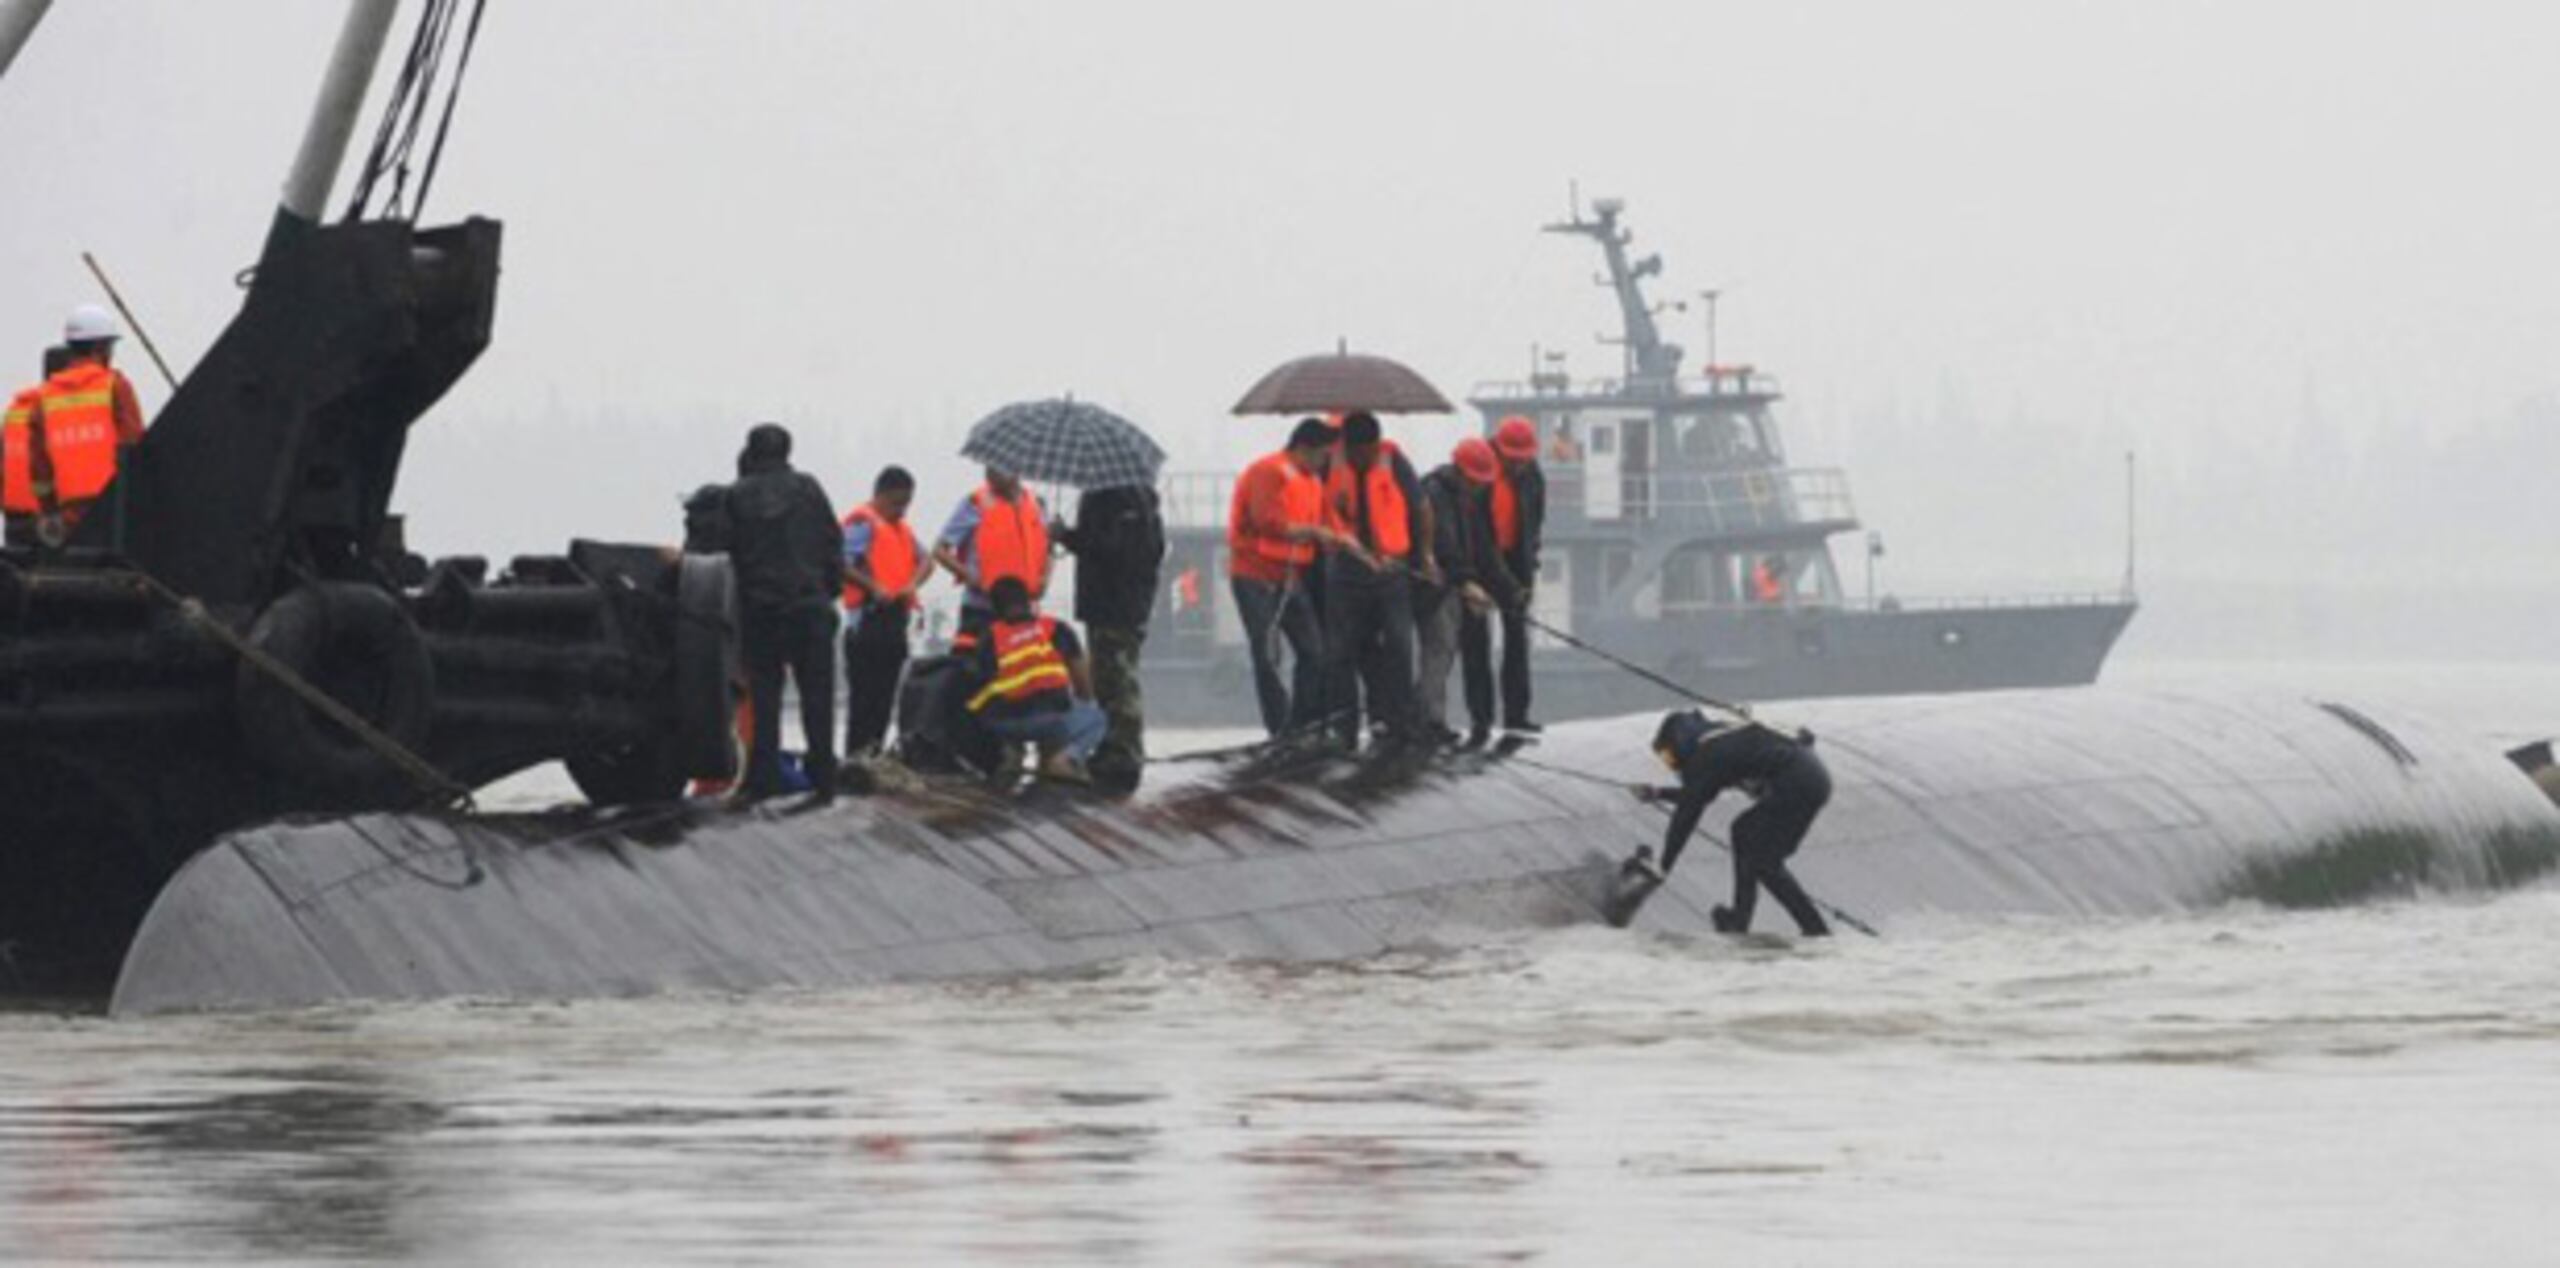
(1012, 541)
(1301, 502)
(891, 557)
(1027, 663)
(78, 413)
(1388, 533)
(17, 456)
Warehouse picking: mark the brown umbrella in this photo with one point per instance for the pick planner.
(1342, 381)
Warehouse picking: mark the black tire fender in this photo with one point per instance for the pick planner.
(356, 643)
(706, 668)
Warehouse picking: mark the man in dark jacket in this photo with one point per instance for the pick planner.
(1118, 544)
(1788, 785)
(1518, 506)
(1472, 580)
(789, 555)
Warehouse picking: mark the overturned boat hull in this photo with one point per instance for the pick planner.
(2092, 802)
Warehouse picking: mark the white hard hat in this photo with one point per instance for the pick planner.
(89, 322)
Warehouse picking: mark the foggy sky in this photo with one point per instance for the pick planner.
(2299, 256)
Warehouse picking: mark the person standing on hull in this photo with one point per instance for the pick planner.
(83, 421)
(1373, 501)
(1118, 544)
(1789, 787)
(17, 451)
(998, 531)
(789, 554)
(1032, 685)
(882, 571)
(1517, 502)
(1275, 522)
(1472, 580)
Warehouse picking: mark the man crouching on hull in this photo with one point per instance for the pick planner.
(1788, 785)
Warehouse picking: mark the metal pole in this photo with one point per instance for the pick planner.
(2128, 523)
(18, 20)
(117, 298)
(333, 116)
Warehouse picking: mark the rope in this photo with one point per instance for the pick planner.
(1742, 712)
(444, 789)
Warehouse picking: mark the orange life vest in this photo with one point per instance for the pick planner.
(1389, 531)
(1506, 513)
(1301, 502)
(17, 455)
(1028, 664)
(1012, 540)
(1765, 586)
(78, 410)
(891, 557)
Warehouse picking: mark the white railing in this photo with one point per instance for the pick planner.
(1710, 502)
(1729, 381)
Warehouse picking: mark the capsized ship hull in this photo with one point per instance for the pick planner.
(2093, 802)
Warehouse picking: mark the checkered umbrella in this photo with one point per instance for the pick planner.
(1065, 442)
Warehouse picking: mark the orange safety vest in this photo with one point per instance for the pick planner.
(1506, 513)
(78, 409)
(1027, 663)
(1301, 502)
(17, 455)
(1012, 540)
(891, 557)
(1389, 530)
(1765, 586)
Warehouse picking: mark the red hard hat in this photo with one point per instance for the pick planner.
(1517, 438)
(1475, 460)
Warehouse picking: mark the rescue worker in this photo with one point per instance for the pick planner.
(84, 420)
(1788, 784)
(882, 571)
(1032, 685)
(998, 531)
(1118, 544)
(1275, 522)
(1517, 502)
(1373, 502)
(1472, 578)
(1768, 580)
(788, 550)
(17, 452)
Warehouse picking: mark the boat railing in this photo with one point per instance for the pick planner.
(1707, 502)
(1890, 604)
(1739, 380)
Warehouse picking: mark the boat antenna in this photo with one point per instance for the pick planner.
(1649, 359)
(2128, 523)
(404, 116)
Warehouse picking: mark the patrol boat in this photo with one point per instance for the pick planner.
(1679, 538)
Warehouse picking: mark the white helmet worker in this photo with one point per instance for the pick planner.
(89, 323)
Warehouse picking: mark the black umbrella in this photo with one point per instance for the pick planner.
(1340, 382)
(1065, 441)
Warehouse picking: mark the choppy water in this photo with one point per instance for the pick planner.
(2349, 1087)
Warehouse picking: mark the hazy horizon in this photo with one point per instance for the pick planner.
(2297, 257)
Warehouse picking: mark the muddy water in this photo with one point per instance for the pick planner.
(2371, 1086)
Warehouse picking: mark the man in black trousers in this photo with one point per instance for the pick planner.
(1788, 785)
(789, 555)
(1517, 506)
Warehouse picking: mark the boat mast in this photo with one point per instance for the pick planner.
(18, 20)
(333, 115)
(1649, 359)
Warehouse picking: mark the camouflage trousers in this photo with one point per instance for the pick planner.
(1114, 650)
